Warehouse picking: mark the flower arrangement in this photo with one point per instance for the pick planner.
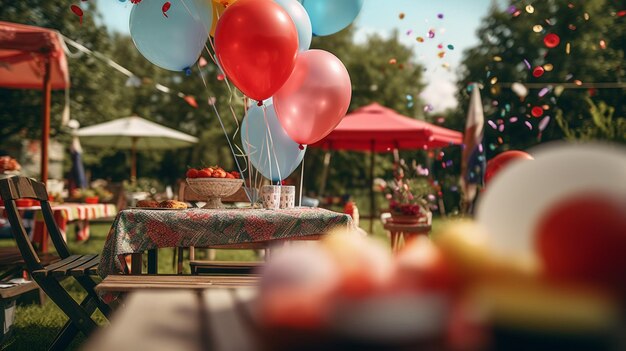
(409, 190)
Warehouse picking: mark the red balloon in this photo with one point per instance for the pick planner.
(583, 239)
(538, 72)
(256, 43)
(501, 161)
(536, 111)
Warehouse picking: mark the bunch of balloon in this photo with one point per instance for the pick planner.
(262, 46)
(171, 35)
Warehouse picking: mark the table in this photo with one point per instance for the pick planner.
(135, 231)
(180, 320)
(81, 213)
(402, 232)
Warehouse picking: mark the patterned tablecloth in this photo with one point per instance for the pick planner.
(138, 230)
(81, 213)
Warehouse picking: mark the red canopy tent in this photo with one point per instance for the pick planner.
(33, 58)
(376, 128)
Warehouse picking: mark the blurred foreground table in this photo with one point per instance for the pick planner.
(211, 319)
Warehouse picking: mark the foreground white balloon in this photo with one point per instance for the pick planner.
(521, 194)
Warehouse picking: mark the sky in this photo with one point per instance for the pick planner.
(457, 27)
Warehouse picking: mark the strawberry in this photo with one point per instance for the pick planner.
(192, 173)
(204, 174)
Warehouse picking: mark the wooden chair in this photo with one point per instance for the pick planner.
(48, 277)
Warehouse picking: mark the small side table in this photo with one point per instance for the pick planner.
(402, 232)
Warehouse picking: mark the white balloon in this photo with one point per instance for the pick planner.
(516, 200)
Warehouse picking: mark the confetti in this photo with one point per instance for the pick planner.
(401, 15)
(220, 77)
(536, 111)
(530, 126)
(537, 28)
(497, 59)
(538, 72)
(420, 39)
(500, 140)
(165, 8)
(513, 119)
(548, 67)
(492, 125)
(501, 128)
(571, 27)
(544, 91)
(450, 47)
(135, 1)
(544, 123)
(392, 61)
(567, 48)
(527, 64)
(441, 54)
(494, 80)
(78, 12)
(578, 82)
(586, 16)
(602, 44)
(530, 9)
(431, 33)
(512, 9)
(621, 13)
(409, 32)
(551, 40)
(440, 46)
(440, 15)
(428, 108)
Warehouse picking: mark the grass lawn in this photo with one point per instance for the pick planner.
(36, 326)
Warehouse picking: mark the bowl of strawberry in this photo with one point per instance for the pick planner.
(214, 183)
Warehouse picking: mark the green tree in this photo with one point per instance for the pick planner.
(591, 50)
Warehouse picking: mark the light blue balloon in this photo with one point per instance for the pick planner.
(285, 155)
(173, 42)
(301, 19)
(330, 16)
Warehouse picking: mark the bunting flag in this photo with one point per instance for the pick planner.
(473, 162)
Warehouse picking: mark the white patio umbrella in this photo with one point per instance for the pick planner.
(135, 134)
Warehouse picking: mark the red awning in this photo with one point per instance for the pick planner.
(383, 129)
(22, 52)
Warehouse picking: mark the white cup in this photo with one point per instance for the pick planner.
(288, 196)
(271, 196)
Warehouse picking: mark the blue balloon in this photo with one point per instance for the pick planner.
(301, 19)
(269, 155)
(172, 40)
(330, 16)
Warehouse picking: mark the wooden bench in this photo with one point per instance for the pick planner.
(127, 283)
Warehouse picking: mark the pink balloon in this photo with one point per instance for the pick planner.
(315, 97)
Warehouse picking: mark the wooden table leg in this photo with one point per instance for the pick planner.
(153, 261)
(395, 241)
(136, 263)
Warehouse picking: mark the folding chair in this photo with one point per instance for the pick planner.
(48, 277)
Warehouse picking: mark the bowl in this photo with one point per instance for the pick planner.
(214, 189)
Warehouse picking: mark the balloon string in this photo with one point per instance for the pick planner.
(301, 181)
(219, 118)
(271, 141)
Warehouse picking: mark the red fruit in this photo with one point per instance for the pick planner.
(204, 174)
(230, 176)
(235, 174)
(192, 173)
(583, 239)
